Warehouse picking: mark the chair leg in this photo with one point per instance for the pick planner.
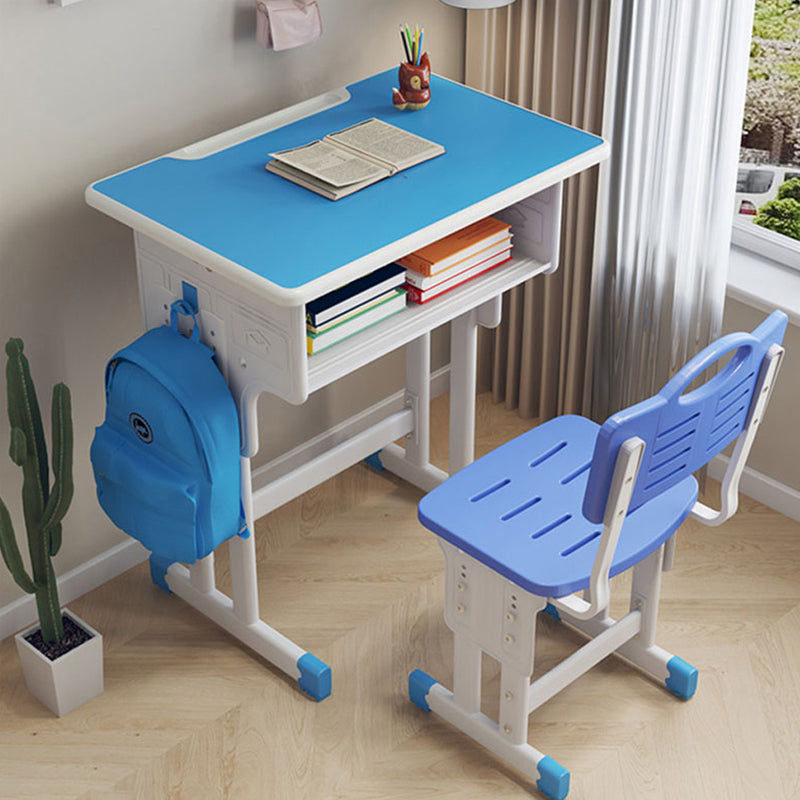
(679, 676)
(676, 674)
(550, 777)
(646, 593)
(514, 689)
(488, 613)
(467, 674)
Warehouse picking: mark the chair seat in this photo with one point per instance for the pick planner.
(519, 510)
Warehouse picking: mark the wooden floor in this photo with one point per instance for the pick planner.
(348, 573)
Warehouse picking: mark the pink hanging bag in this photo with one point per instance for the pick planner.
(281, 24)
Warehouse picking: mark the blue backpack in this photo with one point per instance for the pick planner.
(166, 459)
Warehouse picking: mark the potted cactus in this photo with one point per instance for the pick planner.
(62, 657)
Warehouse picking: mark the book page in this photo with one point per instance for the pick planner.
(331, 164)
(387, 143)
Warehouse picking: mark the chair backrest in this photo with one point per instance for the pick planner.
(683, 431)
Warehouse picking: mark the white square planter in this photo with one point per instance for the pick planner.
(69, 681)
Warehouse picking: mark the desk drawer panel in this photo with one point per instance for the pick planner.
(260, 346)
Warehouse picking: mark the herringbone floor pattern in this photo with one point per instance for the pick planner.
(347, 572)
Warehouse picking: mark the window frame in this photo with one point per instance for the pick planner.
(766, 243)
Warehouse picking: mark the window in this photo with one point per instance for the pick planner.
(767, 210)
(755, 181)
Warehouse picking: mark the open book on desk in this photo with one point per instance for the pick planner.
(348, 160)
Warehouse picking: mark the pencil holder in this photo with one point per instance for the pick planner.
(415, 79)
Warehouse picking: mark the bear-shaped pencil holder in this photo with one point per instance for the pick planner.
(415, 80)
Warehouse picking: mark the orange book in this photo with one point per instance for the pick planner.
(442, 254)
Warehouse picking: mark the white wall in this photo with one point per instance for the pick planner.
(93, 88)
(777, 445)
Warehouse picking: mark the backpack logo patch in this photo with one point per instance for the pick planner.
(141, 427)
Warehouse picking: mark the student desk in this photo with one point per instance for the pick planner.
(249, 249)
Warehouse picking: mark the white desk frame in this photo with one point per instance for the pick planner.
(259, 340)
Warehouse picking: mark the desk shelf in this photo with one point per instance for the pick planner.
(375, 341)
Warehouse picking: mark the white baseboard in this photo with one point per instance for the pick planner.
(87, 576)
(21, 613)
(777, 496)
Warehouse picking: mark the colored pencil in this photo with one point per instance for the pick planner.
(410, 46)
(405, 45)
(419, 50)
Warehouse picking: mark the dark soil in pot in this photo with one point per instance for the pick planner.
(74, 635)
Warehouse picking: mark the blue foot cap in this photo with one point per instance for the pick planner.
(682, 678)
(375, 461)
(419, 684)
(158, 571)
(315, 677)
(552, 611)
(554, 780)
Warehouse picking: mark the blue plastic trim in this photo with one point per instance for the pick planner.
(552, 611)
(315, 677)
(375, 461)
(158, 571)
(190, 296)
(682, 679)
(419, 684)
(554, 780)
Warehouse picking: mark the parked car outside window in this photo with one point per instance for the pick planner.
(756, 184)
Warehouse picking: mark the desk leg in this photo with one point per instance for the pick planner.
(418, 396)
(463, 377)
(413, 463)
(202, 573)
(239, 615)
(244, 582)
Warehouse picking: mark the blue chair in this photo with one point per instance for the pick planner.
(567, 506)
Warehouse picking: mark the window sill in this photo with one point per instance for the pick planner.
(763, 283)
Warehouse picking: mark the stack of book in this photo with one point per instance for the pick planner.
(456, 259)
(353, 307)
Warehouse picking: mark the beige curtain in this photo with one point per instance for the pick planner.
(547, 55)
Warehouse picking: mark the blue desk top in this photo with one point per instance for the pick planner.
(229, 204)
